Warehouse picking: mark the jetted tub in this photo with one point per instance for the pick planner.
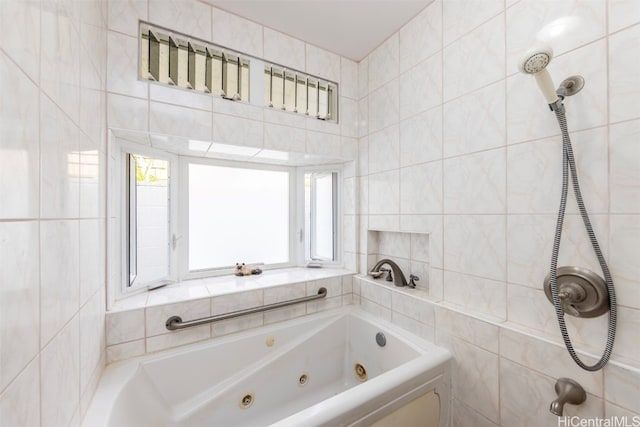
(323, 369)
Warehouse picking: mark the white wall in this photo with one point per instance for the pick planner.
(52, 210)
(456, 143)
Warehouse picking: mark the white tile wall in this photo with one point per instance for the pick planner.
(283, 49)
(421, 37)
(52, 144)
(19, 163)
(421, 137)
(441, 97)
(19, 342)
(140, 328)
(499, 147)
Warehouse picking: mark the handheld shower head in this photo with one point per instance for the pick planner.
(535, 59)
(535, 62)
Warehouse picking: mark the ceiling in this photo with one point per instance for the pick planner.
(351, 28)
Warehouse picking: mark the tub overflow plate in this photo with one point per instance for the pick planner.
(381, 339)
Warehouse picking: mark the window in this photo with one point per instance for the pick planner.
(185, 217)
(148, 220)
(237, 215)
(321, 216)
(178, 60)
(299, 93)
(184, 62)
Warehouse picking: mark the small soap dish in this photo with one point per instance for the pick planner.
(375, 274)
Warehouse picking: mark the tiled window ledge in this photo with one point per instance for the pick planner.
(136, 325)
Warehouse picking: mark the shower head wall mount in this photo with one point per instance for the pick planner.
(570, 86)
(535, 62)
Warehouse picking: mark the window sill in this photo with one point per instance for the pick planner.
(223, 285)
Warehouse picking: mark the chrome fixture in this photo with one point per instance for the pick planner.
(381, 339)
(572, 290)
(175, 322)
(395, 275)
(568, 391)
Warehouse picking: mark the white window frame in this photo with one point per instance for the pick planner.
(178, 214)
(183, 238)
(120, 182)
(301, 247)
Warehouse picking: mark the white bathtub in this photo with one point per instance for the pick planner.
(204, 384)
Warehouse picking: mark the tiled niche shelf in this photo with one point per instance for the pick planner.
(409, 250)
(181, 61)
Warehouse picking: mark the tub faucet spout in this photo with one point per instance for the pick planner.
(398, 276)
(568, 391)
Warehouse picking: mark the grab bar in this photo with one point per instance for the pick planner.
(175, 322)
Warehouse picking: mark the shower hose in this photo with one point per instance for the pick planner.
(568, 163)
